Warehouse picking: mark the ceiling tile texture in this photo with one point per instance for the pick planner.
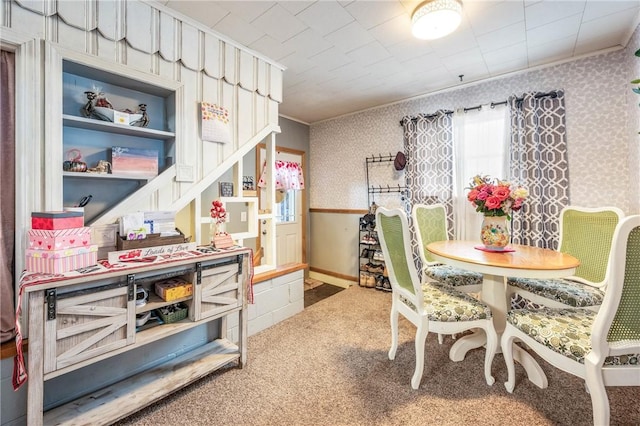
(345, 56)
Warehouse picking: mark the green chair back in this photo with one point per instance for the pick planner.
(393, 237)
(431, 225)
(587, 235)
(626, 322)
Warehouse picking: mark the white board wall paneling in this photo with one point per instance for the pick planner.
(28, 21)
(42, 7)
(190, 134)
(272, 111)
(228, 100)
(190, 47)
(275, 83)
(210, 150)
(260, 111)
(53, 147)
(168, 40)
(168, 69)
(106, 48)
(245, 116)
(230, 63)
(262, 77)
(110, 23)
(140, 26)
(80, 14)
(72, 37)
(212, 58)
(141, 61)
(247, 71)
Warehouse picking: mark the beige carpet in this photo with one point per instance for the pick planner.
(328, 365)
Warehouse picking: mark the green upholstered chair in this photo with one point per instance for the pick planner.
(586, 234)
(430, 224)
(601, 347)
(430, 306)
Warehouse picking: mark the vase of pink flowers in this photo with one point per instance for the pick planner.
(219, 238)
(496, 200)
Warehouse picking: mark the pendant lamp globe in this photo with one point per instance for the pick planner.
(436, 18)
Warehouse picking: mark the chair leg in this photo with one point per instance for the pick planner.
(507, 352)
(491, 349)
(421, 337)
(599, 398)
(394, 331)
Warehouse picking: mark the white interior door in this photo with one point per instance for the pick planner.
(288, 218)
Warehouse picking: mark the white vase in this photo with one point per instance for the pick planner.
(494, 233)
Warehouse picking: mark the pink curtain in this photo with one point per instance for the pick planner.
(288, 175)
(7, 194)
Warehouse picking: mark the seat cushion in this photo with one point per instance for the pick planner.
(452, 276)
(446, 304)
(566, 331)
(567, 292)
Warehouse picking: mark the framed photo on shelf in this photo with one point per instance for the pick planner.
(226, 189)
(247, 183)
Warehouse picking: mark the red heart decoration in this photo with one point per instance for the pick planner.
(84, 243)
(72, 241)
(39, 243)
(49, 246)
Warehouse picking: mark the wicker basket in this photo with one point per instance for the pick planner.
(177, 315)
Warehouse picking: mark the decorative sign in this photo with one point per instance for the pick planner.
(148, 254)
(226, 189)
(215, 123)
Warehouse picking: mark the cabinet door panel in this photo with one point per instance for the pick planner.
(87, 325)
(218, 291)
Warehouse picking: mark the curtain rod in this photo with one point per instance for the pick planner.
(552, 94)
(429, 115)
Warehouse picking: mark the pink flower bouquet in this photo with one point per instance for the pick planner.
(493, 197)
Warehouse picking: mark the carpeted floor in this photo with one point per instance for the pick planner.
(328, 365)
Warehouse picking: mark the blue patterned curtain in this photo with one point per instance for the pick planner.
(428, 146)
(538, 161)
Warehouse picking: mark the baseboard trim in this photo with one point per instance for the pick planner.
(334, 278)
(340, 211)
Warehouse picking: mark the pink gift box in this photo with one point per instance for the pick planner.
(57, 220)
(60, 261)
(59, 239)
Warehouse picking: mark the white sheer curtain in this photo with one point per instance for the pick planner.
(480, 147)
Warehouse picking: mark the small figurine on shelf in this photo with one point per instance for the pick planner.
(219, 238)
(74, 162)
(87, 109)
(144, 121)
(102, 167)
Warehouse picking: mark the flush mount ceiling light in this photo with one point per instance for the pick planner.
(436, 18)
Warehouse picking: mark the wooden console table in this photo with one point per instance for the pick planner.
(78, 319)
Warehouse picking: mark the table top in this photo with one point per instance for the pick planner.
(524, 258)
(36, 281)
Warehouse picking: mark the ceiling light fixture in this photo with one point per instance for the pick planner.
(436, 18)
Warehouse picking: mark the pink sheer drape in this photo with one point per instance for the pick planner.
(7, 193)
(288, 176)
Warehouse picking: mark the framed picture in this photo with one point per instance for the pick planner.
(226, 189)
(247, 183)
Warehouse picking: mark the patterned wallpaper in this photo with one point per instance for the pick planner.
(634, 114)
(597, 132)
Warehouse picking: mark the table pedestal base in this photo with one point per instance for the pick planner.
(494, 295)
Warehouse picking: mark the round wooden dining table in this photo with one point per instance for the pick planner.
(517, 261)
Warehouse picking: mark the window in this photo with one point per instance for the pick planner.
(480, 147)
(286, 208)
